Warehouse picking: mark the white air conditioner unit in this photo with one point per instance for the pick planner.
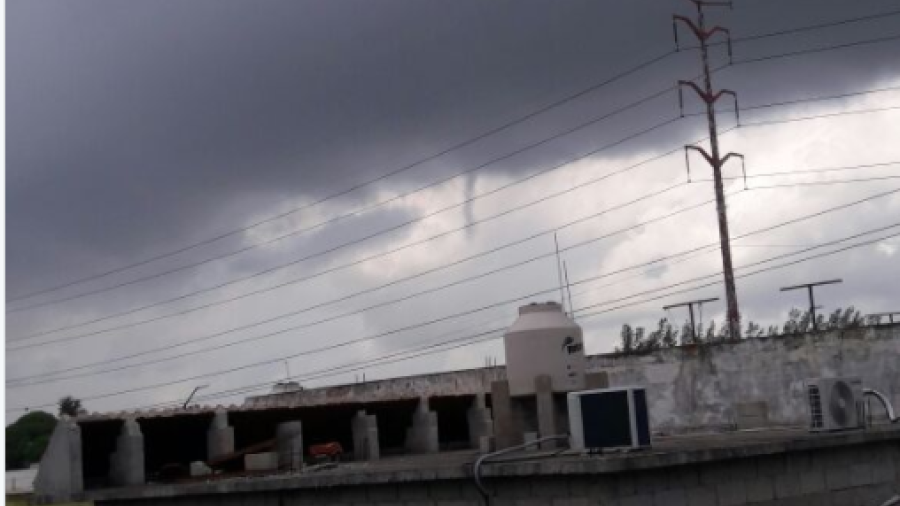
(609, 418)
(834, 404)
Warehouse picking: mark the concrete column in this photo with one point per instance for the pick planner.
(365, 437)
(60, 476)
(422, 435)
(126, 464)
(219, 437)
(480, 422)
(504, 428)
(289, 444)
(546, 412)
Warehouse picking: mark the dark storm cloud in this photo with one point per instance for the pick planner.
(137, 128)
(133, 129)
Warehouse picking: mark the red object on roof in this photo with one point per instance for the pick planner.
(326, 449)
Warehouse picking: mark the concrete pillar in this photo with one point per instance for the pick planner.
(480, 422)
(60, 477)
(126, 464)
(422, 435)
(504, 428)
(289, 444)
(365, 437)
(546, 412)
(219, 437)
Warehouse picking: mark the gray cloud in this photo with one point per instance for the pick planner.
(135, 130)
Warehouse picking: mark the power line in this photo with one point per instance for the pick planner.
(528, 116)
(343, 368)
(83, 294)
(553, 289)
(148, 306)
(465, 143)
(430, 290)
(355, 241)
(355, 262)
(865, 42)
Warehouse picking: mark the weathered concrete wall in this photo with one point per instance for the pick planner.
(688, 388)
(859, 469)
(701, 388)
(456, 383)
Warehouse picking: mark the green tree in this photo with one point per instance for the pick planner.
(27, 438)
(69, 405)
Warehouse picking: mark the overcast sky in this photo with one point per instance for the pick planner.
(137, 129)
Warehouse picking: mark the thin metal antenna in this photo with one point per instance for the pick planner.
(562, 297)
(569, 290)
(287, 370)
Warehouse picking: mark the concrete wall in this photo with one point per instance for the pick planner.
(701, 388)
(688, 388)
(862, 474)
(456, 383)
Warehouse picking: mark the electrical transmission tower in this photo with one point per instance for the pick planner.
(715, 160)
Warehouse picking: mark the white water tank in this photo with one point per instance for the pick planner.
(544, 341)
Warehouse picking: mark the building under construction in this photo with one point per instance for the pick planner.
(718, 396)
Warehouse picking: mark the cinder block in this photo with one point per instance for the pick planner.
(413, 491)
(572, 501)
(200, 468)
(444, 491)
(684, 477)
(387, 492)
(861, 474)
(550, 487)
(837, 477)
(675, 497)
(731, 493)
(267, 461)
(625, 485)
(812, 481)
(651, 482)
(787, 485)
(761, 488)
(636, 500)
(701, 496)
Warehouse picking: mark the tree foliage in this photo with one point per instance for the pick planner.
(635, 340)
(69, 405)
(27, 438)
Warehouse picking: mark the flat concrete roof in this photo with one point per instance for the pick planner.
(666, 452)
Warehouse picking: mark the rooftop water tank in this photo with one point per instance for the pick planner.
(544, 341)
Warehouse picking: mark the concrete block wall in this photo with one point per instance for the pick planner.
(709, 387)
(857, 475)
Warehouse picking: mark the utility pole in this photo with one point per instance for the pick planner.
(690, 305)
(812, 298)
(715, 160)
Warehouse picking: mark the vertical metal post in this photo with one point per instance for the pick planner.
(693, 325)
(812, 299)
(715, 158)
(812, 307)
(732, 313)
(690, 306)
